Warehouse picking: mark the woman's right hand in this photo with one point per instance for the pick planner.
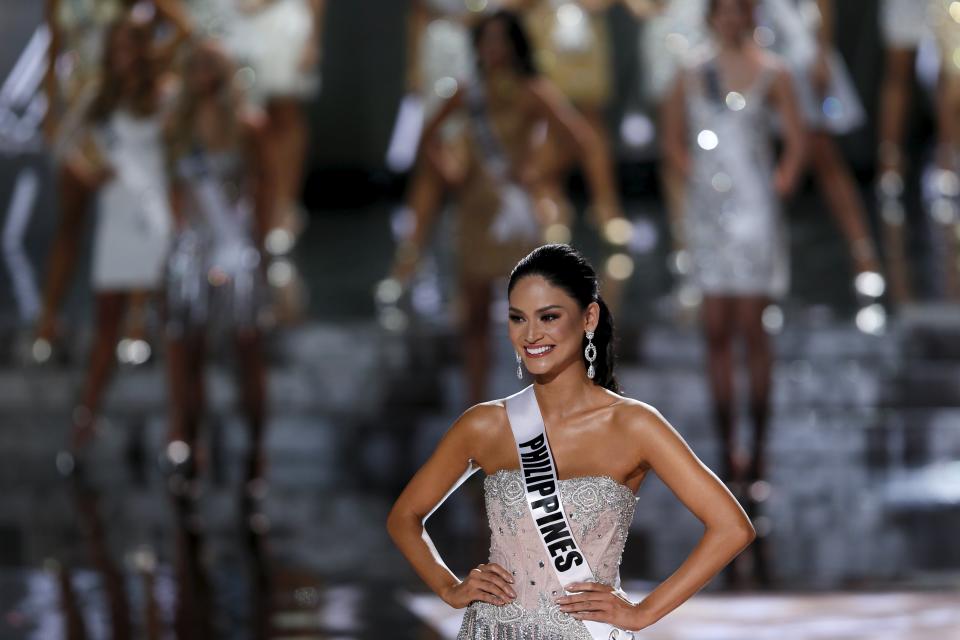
(485, 583)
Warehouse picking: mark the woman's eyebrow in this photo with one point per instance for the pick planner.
(541, 309)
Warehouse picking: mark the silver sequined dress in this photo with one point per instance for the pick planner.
(600, 511)
(214, 275)
(733, 223)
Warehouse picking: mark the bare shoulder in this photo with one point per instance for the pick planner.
(543, 92)
(484, 416)
(482, 423)
(641, 421)
(773, 63)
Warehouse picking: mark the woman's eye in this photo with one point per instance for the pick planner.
(549, 317)
(515, 318)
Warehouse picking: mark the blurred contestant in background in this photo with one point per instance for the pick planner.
(572, 48)
(119, 156)
(672, 36)
(222, 192)
(717, 135)
(492, 174)
(571, 45)
(803, 34)
(72, 82)
(281, 40)
(279, 45)
(439, 58)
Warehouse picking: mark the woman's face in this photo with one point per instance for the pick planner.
(206, 70)
(493, 46)
(125, 51)
(547, 325)
(729, 19)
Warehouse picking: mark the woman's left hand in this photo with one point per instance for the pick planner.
(601, 603)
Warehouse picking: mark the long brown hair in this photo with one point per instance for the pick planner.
(143, 97)
(181, 129)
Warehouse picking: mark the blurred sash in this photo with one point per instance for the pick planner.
(515, 219)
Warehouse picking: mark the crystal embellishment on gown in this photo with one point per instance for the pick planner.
(600, 511)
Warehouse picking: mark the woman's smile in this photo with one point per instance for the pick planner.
(538, 351)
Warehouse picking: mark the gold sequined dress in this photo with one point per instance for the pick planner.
(600, 511)
(572, 48)
(496, 221)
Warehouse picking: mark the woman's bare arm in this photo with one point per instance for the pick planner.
(727, 528)
(673, 126)
(450, 464)
(50, 88)
(255, 125)
(790, 166)
(319, 10)
(558, 112)
(174, 12)
(430, 148)
(432, 153)
(827, 22)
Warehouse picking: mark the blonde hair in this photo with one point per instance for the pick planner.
(181, 129)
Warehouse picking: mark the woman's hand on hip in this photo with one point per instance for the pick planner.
(489, 583)
(602, 603)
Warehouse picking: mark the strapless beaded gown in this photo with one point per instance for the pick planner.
(600, 511)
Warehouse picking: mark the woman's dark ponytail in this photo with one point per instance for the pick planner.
(564, 267)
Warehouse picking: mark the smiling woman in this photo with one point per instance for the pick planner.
(563, 458)
(559, 266)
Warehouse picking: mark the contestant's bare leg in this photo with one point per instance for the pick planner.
(839, 189)
(288, 137)
(185, 367)
(137, 315)
(895, 98)
(253, 383)
(948, 138)
(760, 366)
(110, 309)
(74, 627)
(719, 323)
(475, 341)
(114, 585)
(74, 200)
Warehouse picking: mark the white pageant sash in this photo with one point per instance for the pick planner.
(542, 486)
(543, 489)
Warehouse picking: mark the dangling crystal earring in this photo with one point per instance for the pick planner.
(590, 353)
(519, 368)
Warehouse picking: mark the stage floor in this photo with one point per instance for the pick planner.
(823, 616)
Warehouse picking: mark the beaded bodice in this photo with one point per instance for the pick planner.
(599, 510)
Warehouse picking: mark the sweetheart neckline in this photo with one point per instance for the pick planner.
(587, 477)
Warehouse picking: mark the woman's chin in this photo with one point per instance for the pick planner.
(546, 370)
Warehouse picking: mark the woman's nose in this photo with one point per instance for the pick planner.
(533, 332)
